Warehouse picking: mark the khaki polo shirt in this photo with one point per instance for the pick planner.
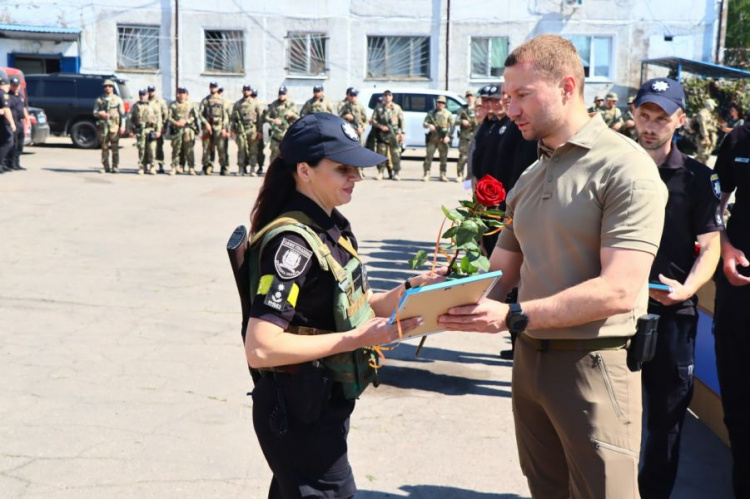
(597, 190)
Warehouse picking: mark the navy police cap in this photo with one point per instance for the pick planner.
(664, 92)
(282, 89)
(213, 84)
(142, 91)
(318, 88)
(247, 87)
(151, 88)
(352, 91)
(324, 135)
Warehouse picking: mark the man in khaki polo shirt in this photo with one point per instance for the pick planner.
(587, 219)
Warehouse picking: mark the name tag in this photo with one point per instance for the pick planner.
(741, 160)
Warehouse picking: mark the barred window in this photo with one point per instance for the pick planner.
(488, 56)
(225, 51)
(596, 54)
(398, 57)
(137, 47)
(307, 54)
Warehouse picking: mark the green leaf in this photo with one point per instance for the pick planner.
(450, 232)
(497, 213)
(418, 260)
(482, 263)
(471, 246)
(463, 213)
(467, 204)
(452, 215)
(467, 232)
(466, 266)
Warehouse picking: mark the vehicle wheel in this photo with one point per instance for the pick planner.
(84, 134)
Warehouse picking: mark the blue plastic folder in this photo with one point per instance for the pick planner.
(434, 300)
(660, 286)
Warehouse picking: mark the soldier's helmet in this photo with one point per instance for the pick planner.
(442, 99)
(108, 83)
(597, 98)
(469, 92)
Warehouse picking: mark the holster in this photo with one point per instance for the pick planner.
(237, 247)
(643, 344)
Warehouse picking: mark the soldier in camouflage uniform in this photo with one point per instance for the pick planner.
(147, 123)
(598, 106)
(388, 119)
(280, 115)
(184, 119)
(628, 120)
(612, 114)
(353, 112)
(246, 125)
(318, 104)
(161, 105)
(440, 125)
(467, 121)
(707, 128)
(261, 140)
(215, 124)
(110, 111)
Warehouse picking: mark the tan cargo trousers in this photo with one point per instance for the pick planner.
(578, 422)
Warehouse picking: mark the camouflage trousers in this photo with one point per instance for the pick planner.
(442, 148)
(160, 149)
(392, 150)
(463, 156)
(146, 148)
(110, 140)
(274, 150)
(214, 142)
(183, 148)
(247, 149)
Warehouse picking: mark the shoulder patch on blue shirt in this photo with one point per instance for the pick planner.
(716, 186)
(291, 259)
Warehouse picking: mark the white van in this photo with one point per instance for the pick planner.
(416, 103)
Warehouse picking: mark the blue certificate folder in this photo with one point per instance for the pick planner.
(434, 300)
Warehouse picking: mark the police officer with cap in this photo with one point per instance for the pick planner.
(8, 126)
(280, 115)
(313, 318)
(215, 126)
(20, 115)
(732, 310)
(261, 156)
(692, 214)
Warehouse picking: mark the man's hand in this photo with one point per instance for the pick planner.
(732, 258)
(103, 114)
(348, 117)
(678, 294)
(400, 137)
(224, 134)
(122, 131)
(209, 130)
(431, 128)
(446, 140)
(383, 128)
(488, 316)
(259, 136)
(465, 123)
(277, 121)
(181, 123)
(157, 135)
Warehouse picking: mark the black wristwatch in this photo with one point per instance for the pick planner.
(516, 320)
(407, 283)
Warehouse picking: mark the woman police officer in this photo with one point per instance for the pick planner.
(307, 280)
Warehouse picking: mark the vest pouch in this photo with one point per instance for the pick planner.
(306, 392)
(352, 370)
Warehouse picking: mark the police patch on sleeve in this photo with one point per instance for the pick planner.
(291, 259)
(716, 186)
(278, 294)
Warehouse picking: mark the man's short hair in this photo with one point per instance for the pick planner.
(552, 55)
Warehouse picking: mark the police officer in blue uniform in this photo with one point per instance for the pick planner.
(692, 214)
(313, 317)
(20, 113)
(732, 309)
(7, 123)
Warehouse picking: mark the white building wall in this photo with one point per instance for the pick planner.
(637, 28)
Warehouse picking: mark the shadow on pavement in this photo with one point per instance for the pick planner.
(434, 492)
(409, 378)
(72, 170)
(405, 353)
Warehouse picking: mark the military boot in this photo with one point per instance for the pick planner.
(260, 171)
(172, 171)
(140, 170)
(191, 171)
(115, 169)
(443, 176)
(151, 170)
(426, 176)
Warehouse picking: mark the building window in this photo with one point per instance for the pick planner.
(138, 48)
(596, 54)
(225, 51)
(488, 56)
(398, 57)
(307, 54)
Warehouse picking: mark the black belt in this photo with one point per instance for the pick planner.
(592, 345)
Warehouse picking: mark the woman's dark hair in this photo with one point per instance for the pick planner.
(278, 186)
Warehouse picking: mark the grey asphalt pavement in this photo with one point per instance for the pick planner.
(121, 361)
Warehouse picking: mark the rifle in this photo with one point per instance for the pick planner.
(442, 132)
(237, 248)
(240, 126)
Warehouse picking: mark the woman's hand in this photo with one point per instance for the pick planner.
(429, 277)
(377, 331)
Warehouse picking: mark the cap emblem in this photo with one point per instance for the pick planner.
(660, 86)
(349, 131)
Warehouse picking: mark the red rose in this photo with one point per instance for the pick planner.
(490, 191)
